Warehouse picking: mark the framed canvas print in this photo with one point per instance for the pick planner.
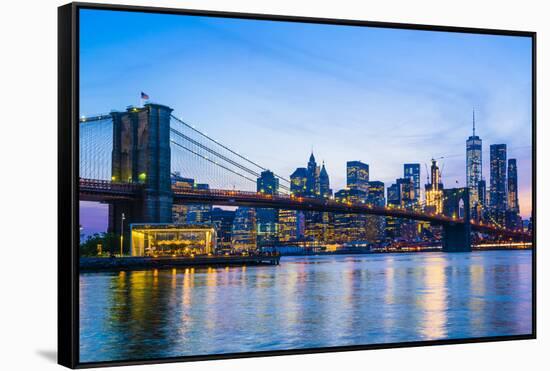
(240, 185)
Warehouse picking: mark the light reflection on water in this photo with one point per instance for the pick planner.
(305, 302)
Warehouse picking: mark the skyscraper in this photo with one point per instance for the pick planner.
(298, 182)
(473, 166)
(394, 195)
(290, 226)
(497, 191)
(376, 193)
(357, 175)
(513, 201)
(324, 183)
(312, 179)
(266, 219)
(267, 183)
(180, 212)
(482, 192)
(243, 230)
(291, 222)
(327, 219)
(200, 213)
(405, 189)
(376, 224)
(405, 193)
(350, 227)
(190, 213)
(434, 190)
(392, 225)
(412, 171)
(513, 219)
(223, 222)
(313, 220)
(482, 199)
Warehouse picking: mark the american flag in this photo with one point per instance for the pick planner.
(144, 96)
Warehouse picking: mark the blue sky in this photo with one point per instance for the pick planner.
(275, 90)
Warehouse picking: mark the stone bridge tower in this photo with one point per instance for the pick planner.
(141, 155)
(457, 236)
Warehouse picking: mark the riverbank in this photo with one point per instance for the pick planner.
(95, 264)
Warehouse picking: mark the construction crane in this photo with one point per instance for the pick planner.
(428, 171)
(427, 174)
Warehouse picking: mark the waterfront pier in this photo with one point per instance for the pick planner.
(131, 262)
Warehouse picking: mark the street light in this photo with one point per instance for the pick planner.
(122, 233)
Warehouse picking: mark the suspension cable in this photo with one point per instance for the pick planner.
(225, 147)
(214, 162)
(217, 154)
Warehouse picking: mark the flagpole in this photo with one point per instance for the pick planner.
(143, 100)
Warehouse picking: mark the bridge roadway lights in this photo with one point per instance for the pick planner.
(456, 235)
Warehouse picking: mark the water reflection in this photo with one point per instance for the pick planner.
(303, 303)
(433, 302)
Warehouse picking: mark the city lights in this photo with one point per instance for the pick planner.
(304, 210)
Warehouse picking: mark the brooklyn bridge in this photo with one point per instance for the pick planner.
(127, 160)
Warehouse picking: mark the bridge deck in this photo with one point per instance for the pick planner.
(100, 190)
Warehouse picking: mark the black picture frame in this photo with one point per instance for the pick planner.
(68, 231)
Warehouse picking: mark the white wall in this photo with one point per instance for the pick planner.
(28, 178)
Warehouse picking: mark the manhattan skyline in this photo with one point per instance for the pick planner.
(381, 96)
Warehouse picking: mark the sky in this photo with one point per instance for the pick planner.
(277, 90)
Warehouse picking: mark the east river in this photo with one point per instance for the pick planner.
(305, 302)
